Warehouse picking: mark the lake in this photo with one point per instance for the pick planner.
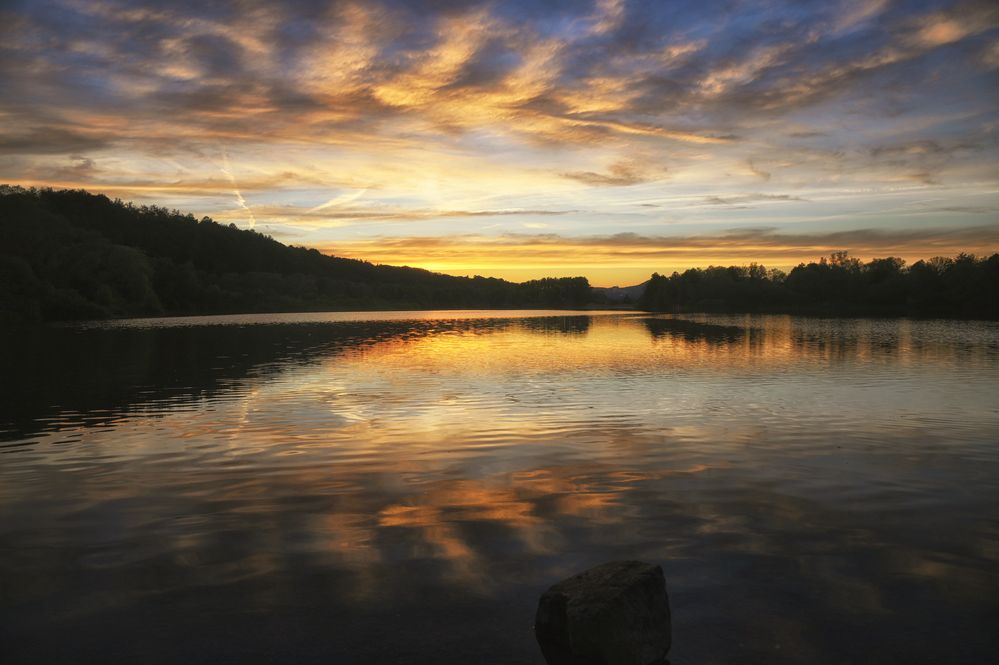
(401, 487)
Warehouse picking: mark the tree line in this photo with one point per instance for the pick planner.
(963, 287)
(70, 254)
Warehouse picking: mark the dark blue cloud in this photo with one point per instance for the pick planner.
(744, 60)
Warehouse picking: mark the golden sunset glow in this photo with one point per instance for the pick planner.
(605, 139)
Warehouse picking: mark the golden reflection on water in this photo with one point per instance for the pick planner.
(619, 342)
(762, 458)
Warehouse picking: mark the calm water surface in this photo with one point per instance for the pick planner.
(400, 487)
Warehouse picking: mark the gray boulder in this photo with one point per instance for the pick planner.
(616, 613)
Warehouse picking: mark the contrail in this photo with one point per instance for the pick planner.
(340, 200)
(235, 188)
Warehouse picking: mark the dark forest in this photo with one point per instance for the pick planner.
(69, 254)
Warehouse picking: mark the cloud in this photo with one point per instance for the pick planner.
(52, 140)
(741, 199)
(921, 147)
(329, 73)
(857, 12)
(855, 239)
(85, 173)
(79, 169)
(953, 24)
(618, 174)
(923, 160)
(335, 216)
(970, 210)
(758, 172)
(655, 252)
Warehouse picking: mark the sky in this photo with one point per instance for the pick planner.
(524, 139)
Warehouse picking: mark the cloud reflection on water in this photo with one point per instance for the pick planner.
(800, 479)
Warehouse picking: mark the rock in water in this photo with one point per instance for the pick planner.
(616, 613)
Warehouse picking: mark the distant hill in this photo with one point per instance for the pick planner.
(620, 294)
(70, 254)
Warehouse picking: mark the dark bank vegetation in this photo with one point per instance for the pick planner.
(962, 287)
(70, 254)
